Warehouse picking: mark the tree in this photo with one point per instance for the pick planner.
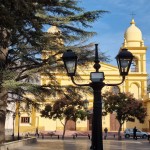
(148, 83)
(22, 39)
(126, 107)
(66, 109)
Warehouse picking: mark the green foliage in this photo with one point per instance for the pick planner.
(22, 39)
(125, 106)
(148, 83)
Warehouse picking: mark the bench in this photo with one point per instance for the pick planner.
(75, 135)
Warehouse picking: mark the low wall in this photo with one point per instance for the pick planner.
(18, 143)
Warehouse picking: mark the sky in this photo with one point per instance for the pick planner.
(112, 26)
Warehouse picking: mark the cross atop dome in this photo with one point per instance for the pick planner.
(132, 14)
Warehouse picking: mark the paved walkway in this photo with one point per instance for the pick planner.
(84, 144)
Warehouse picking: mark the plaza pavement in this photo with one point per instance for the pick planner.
(84, 144)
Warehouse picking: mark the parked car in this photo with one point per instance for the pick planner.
(129, 133)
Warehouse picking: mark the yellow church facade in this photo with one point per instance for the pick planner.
(135, 83)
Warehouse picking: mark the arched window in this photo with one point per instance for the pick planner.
(134, 65)
(135, 90)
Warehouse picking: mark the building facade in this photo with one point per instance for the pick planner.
(135, 83)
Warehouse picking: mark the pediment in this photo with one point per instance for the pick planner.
(106, 68)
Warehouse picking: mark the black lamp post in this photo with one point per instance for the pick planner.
(124, 59)
(85, 104)
(18, 125)
(13, 135)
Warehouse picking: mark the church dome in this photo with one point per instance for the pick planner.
(57, 31)
(133, 33)
(53, 29)
(133, 36)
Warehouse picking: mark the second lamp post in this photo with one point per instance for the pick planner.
(13, 116)
(124, 59)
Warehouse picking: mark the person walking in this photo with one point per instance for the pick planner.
(134, 133)
(105, 131)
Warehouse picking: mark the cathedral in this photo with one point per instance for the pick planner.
(135, 83)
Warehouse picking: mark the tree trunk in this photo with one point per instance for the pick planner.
(3, 91)
(3, 106)
(119, 135)
(64, 130)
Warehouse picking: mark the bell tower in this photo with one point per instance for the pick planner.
(137, 80)
(134, 43)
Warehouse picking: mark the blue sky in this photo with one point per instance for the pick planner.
(111, 27)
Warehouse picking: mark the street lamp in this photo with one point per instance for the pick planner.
(85, 104)
(18, 125)
(14, 115)
(124, 59)
(18, 112)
